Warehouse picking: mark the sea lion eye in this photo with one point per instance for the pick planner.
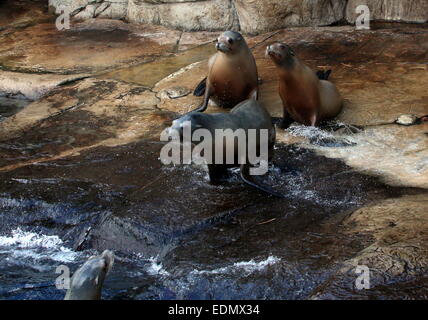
(292, 52)
(230, 40)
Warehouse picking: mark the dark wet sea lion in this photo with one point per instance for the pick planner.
(232, 73)
(305, 96)
(87, 281)
(249, 114)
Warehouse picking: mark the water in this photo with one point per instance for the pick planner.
(176, 236)
(149, 74)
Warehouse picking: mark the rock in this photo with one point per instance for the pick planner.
(42, 48)
(261, 16)
(406, 119)
(190, 40)
(190, 15)
(390, 10)
(87, 13)
(87, 9)
(89, 105)
(22, 13)
(397, 254)
(175, 92)
(32, 86)
(113, 9)
(101, 9)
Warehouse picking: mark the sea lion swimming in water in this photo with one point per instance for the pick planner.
(249, 114)
(232, 73)
(87, 281)
(307, 97)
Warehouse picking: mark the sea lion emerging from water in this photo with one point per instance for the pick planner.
(87, 281)
(232, 73)
(247, 115)
(306, 97)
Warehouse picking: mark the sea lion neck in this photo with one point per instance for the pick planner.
(286, 70)
(289, 63)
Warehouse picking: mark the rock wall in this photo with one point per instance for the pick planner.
(87, 9)
(391, 10)
(190, 15)
(248, 16)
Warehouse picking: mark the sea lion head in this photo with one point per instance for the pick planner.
(194, 120)
(281, 54)
(230, 42)
(87, 281)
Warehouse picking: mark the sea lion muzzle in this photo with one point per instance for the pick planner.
(221, 46)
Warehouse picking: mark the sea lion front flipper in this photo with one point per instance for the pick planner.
(200, 88)
(204, 105)
(246, 177)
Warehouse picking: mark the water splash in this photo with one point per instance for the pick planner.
(246, 267)
(35, 247)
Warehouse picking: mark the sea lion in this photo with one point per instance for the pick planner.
(87, 281)
(306, 97)
(249, 114)
(232, 73)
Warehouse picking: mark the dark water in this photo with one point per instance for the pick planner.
(175, 235)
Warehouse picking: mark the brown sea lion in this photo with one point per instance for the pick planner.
(247, 115)
(232, 73)
(306, 97)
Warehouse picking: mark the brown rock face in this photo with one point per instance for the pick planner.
(42, 48)
(399, 251)
(390, 10)
(192, 16)
(258, 16)
(248, 16)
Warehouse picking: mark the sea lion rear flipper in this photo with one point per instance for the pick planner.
(200, 88)
(246, 177)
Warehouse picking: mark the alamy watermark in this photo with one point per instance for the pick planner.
(62, 22)
(363, 20)
(63, 281)
(363, 280)
(227, 146)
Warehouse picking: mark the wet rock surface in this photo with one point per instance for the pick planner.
(90, 46)
(80, 169)
(396, 257)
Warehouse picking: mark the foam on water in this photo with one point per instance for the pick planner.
(246, 267)
(35, 247)
(156, 268)
(309, 132)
